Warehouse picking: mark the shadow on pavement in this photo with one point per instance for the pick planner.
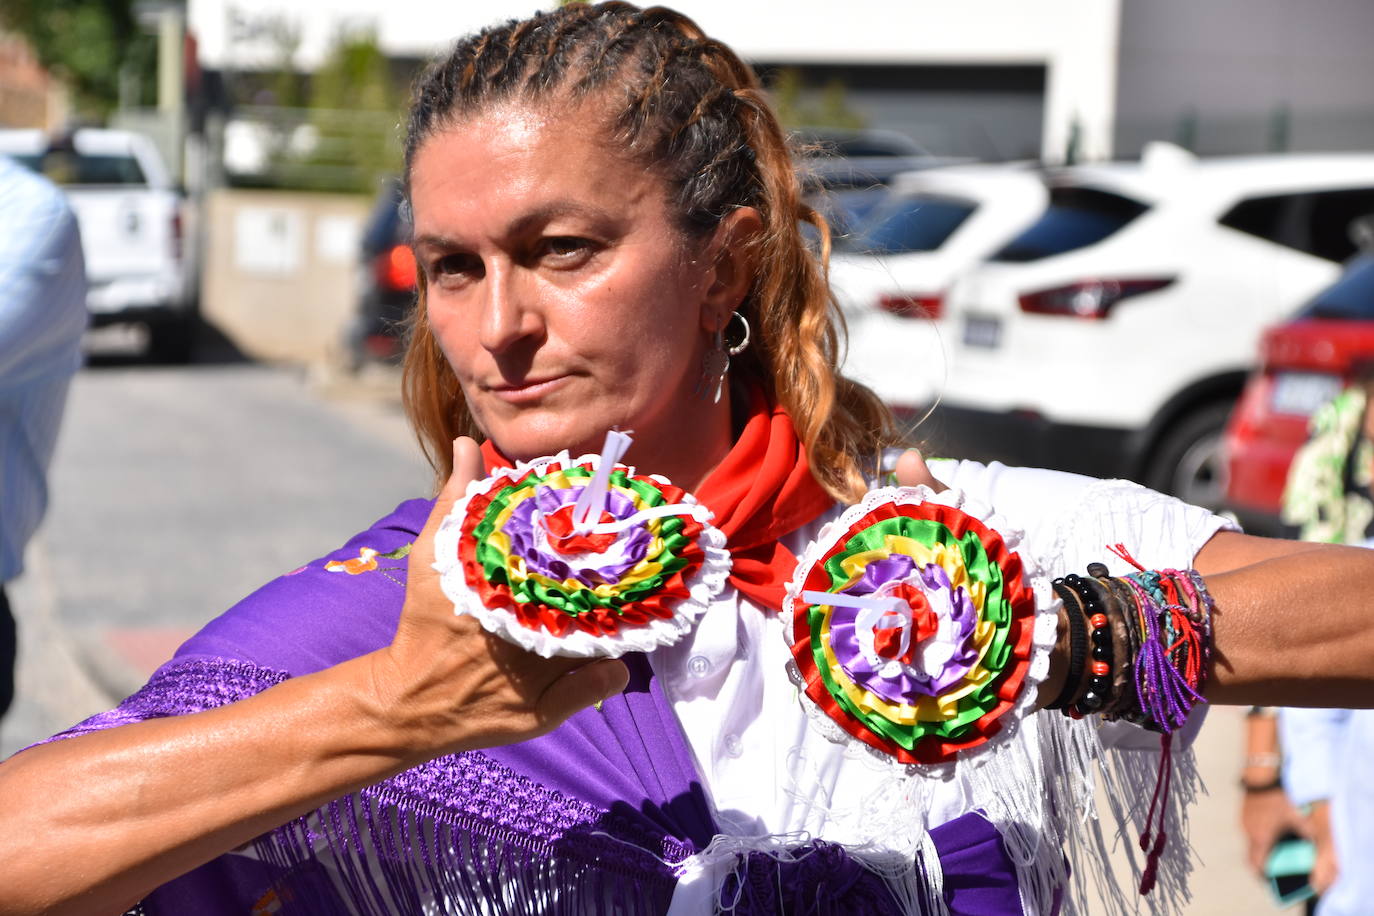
(120, 346)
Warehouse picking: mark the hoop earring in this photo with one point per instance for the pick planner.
(735, 349)
(716, 363)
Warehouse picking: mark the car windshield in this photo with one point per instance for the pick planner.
(1076, 218)
(66, 168)
(907, 222)
(1350, 297)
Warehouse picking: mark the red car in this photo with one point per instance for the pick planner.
(1302, 365)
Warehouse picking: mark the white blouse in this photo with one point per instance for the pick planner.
(774, 779)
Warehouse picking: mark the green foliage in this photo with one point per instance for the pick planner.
(355, 78)
(285, 84)
(340, 134)
(800, 106)
(85, 43)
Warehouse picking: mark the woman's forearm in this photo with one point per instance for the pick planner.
(93, 823)
(1295, 630)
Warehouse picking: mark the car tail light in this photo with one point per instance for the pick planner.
(1091, 299)
(395, 268)
(176, 234)
(912, 306)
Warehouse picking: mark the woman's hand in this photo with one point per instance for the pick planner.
(453, 685)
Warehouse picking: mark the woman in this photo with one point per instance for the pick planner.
(597, 193)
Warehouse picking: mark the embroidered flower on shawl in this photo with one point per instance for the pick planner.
(633, 576)
(914, 626)
(365, 561)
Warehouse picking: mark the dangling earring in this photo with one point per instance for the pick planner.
(716, 363)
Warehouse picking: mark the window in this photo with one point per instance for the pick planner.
(1076, 218)
(1350, 298)
(911, 223)
(67, 168)
(1263, 217)
(1316, 222)
(1329, 217)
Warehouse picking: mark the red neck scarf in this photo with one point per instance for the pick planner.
(761, 492)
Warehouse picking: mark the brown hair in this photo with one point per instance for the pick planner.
(693, 111)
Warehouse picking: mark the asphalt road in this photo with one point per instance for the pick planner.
(176, 491)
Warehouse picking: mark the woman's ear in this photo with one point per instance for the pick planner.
(733, 258)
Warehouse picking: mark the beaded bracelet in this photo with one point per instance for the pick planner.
(1147, 645)
(1078, 642)
(1097, 691)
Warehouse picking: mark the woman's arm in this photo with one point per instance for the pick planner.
(93, 823)
(1294, 624)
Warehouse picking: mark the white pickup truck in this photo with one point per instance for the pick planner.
(131, 218)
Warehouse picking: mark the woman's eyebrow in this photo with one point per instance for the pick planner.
(531, 219)
(433, 240)
(548, 212)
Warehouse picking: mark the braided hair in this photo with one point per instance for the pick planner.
(686, 106)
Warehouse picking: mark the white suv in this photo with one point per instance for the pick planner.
(130, 214)
(891, 276)
(1113, 335)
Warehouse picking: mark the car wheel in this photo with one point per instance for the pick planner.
(1189, 463)
(171, 341)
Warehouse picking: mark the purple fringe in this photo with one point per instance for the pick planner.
(459, 834)
(467, 834)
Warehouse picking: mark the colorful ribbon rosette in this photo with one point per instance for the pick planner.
(914, 626)
(581, 557)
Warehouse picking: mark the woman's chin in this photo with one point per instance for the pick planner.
(527, 444)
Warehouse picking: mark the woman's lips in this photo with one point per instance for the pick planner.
(528, 390)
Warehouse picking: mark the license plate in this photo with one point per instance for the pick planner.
(980, 331)
(1301, 393)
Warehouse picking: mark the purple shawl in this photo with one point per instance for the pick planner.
(590, 818)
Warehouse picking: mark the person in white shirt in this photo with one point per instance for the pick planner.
(42, 317)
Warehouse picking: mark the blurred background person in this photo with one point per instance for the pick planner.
(1321, 794)
(42, 317)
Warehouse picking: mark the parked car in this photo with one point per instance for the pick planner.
(132, 220)
(386, 282)
(891, 275)
(1303, 364)
(845, 173)
(1114, 335)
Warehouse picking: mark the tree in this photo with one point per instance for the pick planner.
(354, 108)
(84, 43)
(799, 106)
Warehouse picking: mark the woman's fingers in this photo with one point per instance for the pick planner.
(585, 685)
(911, 471)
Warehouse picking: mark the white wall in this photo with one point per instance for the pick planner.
(1075, 39)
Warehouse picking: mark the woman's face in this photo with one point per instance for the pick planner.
(560, 290)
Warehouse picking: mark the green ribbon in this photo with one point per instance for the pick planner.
(496, 564)
(996, 610)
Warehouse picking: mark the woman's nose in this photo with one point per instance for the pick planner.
(508, 311)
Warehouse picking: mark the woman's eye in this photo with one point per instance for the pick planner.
(565, 248)
(451, 264)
